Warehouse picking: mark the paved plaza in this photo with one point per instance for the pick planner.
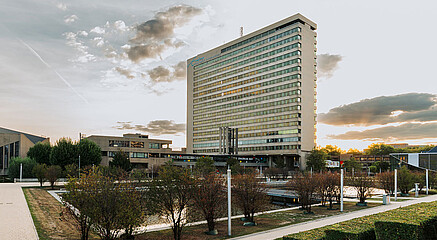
(15, 219)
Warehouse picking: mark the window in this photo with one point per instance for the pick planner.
(117, 143)
(138, 155)
(17, 149)
(135, 144)
(1, 157)
(154, 145)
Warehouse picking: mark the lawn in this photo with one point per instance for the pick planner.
(264, 222)
(50, 225)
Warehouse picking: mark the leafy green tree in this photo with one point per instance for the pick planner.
(234, 165)
(379, 149)
(64, 153)
(381, 166)
(406, 180)
(40, 152)
(204, 166)
(170, 194)
(352, 164)
(52, 174)
(89, 152)
(71, 170)
(39, 171)
(14, 167)
(121, 160)
(316, 160)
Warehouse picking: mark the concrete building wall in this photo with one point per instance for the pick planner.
(265, 90)
(10, 141)
(143, 152)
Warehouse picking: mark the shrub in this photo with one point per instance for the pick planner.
(412, 222)
(405, 180)
(52, 174)
(14, 167)
(39, 171)
(417, 221)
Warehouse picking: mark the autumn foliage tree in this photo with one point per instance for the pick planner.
(249, 195)
(209, 197)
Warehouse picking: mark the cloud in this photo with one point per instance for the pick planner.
(408, 131)
(156, 127)
(419, 107)
(163, 74)
(124, 72)
(70, 19)
(61, 6)
(327, 64)
(155, 36)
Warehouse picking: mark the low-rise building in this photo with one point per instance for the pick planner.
(15, 144)
(143, 152)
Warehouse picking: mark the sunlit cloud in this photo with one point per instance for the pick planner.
(407, 131)
(410, 107)
(156, 127)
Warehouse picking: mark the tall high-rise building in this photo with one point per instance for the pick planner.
(262, 84)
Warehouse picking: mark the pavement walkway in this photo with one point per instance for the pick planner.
(15, 219)
(300, 227)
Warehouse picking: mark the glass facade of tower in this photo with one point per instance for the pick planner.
(261, 84)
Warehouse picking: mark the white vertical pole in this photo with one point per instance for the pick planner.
(353, 172)
(229, 202)
(152, 171)
(341, 191)
(79, 166)
(21, 172)
(311, 171)
(427, 186)
(396, 184)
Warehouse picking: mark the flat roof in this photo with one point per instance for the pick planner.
(294, 17)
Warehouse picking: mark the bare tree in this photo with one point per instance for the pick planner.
(363, 184)
(305, 186)
(386, 181)
(210, 197)
(249, 194)
(332, 182)
(171, 193)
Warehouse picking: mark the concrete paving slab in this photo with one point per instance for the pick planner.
(15, 219)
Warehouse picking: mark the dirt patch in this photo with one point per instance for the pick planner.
(46, 215)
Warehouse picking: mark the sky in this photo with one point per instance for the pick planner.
(113, 67)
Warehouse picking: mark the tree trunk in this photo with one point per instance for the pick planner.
(211, 224)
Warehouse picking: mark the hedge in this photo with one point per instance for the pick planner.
(316, 234)
(417, 221)
(414, 222)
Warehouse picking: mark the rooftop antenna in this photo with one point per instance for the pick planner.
(241, 31)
